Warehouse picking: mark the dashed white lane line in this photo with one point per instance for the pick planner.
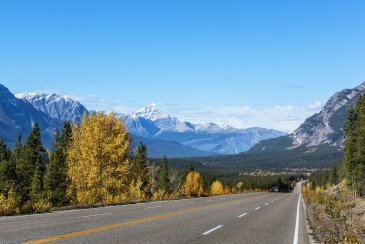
(152, 207)
(257, 208)
(94, 215)
(242, 215)
(266, 204)
(211, 230)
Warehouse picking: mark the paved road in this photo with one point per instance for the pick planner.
(243, 218)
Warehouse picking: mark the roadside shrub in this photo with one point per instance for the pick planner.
(9, 205)
(41, 206)
(331, 214)
(217, 188)
(159, 195)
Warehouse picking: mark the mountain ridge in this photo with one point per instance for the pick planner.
(321, 129)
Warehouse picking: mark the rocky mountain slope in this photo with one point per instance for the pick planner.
(323, 129)
(18, 117)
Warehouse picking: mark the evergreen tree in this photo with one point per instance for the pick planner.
(7, 169)
(360, 148)
(17, 150)
(4, 151)
(350, 169)
(334, 175)
(55, 181)
(66, 136)
(31, 156)
(36, 190)
(163, 181)
(141, 168)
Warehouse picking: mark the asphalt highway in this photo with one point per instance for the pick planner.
(242, 218)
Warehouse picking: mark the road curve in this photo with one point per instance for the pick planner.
(242, 218)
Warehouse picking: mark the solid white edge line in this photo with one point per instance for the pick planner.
(214, 229)
(242, 215)
(296, 232)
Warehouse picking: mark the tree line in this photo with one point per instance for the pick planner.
(90, 163)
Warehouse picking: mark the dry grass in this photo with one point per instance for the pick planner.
(334, 216)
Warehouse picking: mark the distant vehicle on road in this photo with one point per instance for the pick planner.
(274, 189)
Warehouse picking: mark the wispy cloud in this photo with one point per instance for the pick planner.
(315, 105)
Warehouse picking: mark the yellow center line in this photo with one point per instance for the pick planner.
(124, 224)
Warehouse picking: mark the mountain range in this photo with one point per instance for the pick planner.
(162, 133)
(317, 142)
(150, 122)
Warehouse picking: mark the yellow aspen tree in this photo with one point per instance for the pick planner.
(193, 186)
(98, 163)
(217, 188)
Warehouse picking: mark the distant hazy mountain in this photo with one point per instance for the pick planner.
(323, 129)
(151, 123)
(18, 116)
(57, 106)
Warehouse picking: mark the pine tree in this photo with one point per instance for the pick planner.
(66, 136)
(334, 175)
(141, 169)
(31, 155)
(7, 169)
(163, 182)
(360, 141)
(4, 151)
(97, 160)
(17, 150)
(55, 181)
(36, 190)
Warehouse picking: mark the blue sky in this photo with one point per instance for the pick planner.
(245, 63)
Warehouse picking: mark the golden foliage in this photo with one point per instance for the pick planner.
(332, 213)
(41, 206)
(9, 205)
(193, 186)
(238, 188)
(160, 195)
(217, 188)
(98, 164)
(135, 190)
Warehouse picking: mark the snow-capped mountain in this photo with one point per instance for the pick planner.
(57, 106)
(151, 112)
(18, 117)
(321, 129)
